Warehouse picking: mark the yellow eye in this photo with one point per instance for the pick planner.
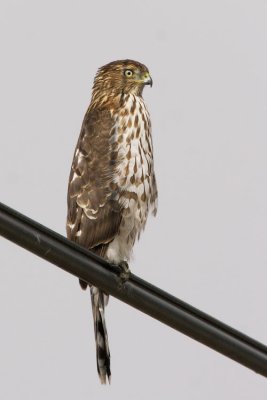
(128, 73)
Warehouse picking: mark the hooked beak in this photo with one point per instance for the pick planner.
(147, 79)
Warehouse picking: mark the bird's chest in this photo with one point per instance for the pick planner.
(133, 146)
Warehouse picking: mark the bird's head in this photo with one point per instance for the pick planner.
(123, 76)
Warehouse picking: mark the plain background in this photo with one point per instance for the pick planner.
(207, 245)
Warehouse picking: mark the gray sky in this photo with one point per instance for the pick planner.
(207, 245)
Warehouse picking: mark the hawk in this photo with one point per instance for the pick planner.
(112, 185)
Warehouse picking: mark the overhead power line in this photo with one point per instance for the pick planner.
(136, 292)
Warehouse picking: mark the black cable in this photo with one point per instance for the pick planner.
(136, 292)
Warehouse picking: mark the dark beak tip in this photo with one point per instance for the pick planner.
(150, 82)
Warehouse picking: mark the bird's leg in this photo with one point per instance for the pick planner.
(125, 271)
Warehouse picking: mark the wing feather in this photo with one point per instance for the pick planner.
(94, 213)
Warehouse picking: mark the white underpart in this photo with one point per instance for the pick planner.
(134, 218)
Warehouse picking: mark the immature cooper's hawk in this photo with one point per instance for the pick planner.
(112, 184)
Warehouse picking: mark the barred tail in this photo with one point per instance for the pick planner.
(99, 301)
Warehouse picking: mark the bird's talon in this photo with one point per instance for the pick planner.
(125, 271)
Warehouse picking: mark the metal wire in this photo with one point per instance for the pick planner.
(136, 292)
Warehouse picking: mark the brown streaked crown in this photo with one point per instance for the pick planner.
(118, 77)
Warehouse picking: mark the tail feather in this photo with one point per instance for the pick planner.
(99, 301)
